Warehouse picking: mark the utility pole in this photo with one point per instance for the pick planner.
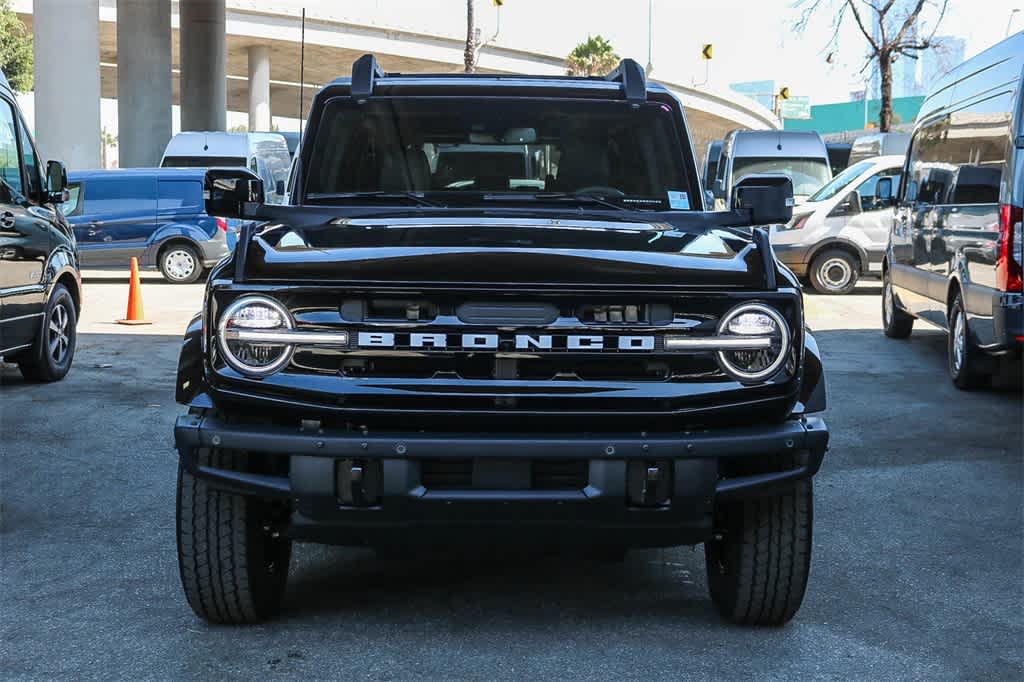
(650, 36)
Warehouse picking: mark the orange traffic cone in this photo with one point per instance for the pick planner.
(134, 314)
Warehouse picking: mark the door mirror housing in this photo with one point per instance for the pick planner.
(768, 197)
(883, 192)
(719, 189)
(56, 182)
(279, 188)
(232, 192)
(850, 205)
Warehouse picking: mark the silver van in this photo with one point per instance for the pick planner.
(265, 154)
(840, 232)
(801, 156)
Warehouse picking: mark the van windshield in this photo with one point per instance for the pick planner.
(839, 182)
(808, 175)
(202, 161)
(471, 150)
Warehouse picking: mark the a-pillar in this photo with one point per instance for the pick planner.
(259, 87)
(143, 81)
(204, 94)
(66, 47)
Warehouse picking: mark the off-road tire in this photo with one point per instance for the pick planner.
(838, 261)
(233, 569)
(896, 323)
(758, 567)
(172, 261)
(43, 361)
(969, 373)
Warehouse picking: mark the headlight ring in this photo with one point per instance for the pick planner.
(754, 319)
(251, 313)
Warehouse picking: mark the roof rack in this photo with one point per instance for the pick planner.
(365, 71)
(633, 80)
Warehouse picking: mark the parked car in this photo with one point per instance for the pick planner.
(713, 152)
(955, 249)
(606, 365)
(800, 156)
(265, 154)
(40, 286)
(838, 156)
(155, 214)
(840, 232)
(879, 144)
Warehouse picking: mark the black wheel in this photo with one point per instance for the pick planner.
(758, 565)
(233, 566)
(54, 350)
(834, 271)
(180, 263)
(964, 359)
(896, 323)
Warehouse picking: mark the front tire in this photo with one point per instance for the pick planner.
(758, 565)
(963, 358)
(180, 264)
(54, 350)
(834, 272)
(896, 323)
(233, 567)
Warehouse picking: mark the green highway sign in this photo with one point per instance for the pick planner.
(795, 107)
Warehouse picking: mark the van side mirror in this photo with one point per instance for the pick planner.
(883, 192)
(279, 188)
(850, 205)
(56, 182)
(232, 192)
(718, 190)
(768, 197)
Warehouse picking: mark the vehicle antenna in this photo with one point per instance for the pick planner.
(302, 67)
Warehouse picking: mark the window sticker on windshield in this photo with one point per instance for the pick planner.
(678, 200)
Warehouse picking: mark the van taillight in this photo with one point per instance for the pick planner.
(1009, 255)
(222, 224)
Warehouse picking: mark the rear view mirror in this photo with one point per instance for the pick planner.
(232, 192)
(768, 197)
(883, 192)
(56, 182)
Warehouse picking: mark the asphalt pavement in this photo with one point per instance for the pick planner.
(917, 570)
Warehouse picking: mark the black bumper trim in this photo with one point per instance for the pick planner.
(806, 436)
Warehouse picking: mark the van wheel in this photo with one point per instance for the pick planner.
(51, 356)
(233, 566)
(964, 358)
(180, 264)
(834, 272)
(758, 565)
(896, 323)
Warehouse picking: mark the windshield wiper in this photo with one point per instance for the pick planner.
(343, 196)
(581, 198)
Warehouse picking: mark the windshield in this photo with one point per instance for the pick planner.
(202, 161)
(458, 150)
(839, 182)
(808, 175)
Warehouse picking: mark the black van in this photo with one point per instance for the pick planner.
(40, 286)
(954, 253)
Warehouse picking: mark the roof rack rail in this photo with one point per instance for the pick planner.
(365, 71)
(634, 82)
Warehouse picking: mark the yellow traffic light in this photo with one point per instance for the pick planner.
(705, 51)
(784, 93)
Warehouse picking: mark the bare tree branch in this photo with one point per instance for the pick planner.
(860, 24)
(908, 22)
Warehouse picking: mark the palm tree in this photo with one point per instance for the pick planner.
(594, 56)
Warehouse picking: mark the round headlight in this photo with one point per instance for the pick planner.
(754, 320)
(246, 335)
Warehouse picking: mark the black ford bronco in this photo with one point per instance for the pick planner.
(564, 350)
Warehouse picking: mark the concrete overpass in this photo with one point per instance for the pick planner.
(243, 55)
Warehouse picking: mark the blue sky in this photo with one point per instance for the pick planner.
(753, 39)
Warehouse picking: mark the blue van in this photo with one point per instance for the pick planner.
(155, 214)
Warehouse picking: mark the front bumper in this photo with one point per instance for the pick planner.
(407, 511)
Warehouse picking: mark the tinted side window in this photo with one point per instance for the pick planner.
(180, 195)
(981, 135)
(31, 163)
(932, 163)
(120, 195)
(10, 167)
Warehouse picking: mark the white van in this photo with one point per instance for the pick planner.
(801, 156)
(841, 231)
(265, 154)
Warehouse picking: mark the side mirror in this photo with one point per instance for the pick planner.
(883, 192)
(719, 189)
(709, 199)
(850, 205)
(56, 182)
(232, 192)
(279, 188)
(768, 197)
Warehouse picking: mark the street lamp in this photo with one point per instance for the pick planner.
(1009, 21)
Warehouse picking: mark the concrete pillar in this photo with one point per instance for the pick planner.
(259, 87)
(143, 81)
(66, 47)
(204, 91)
